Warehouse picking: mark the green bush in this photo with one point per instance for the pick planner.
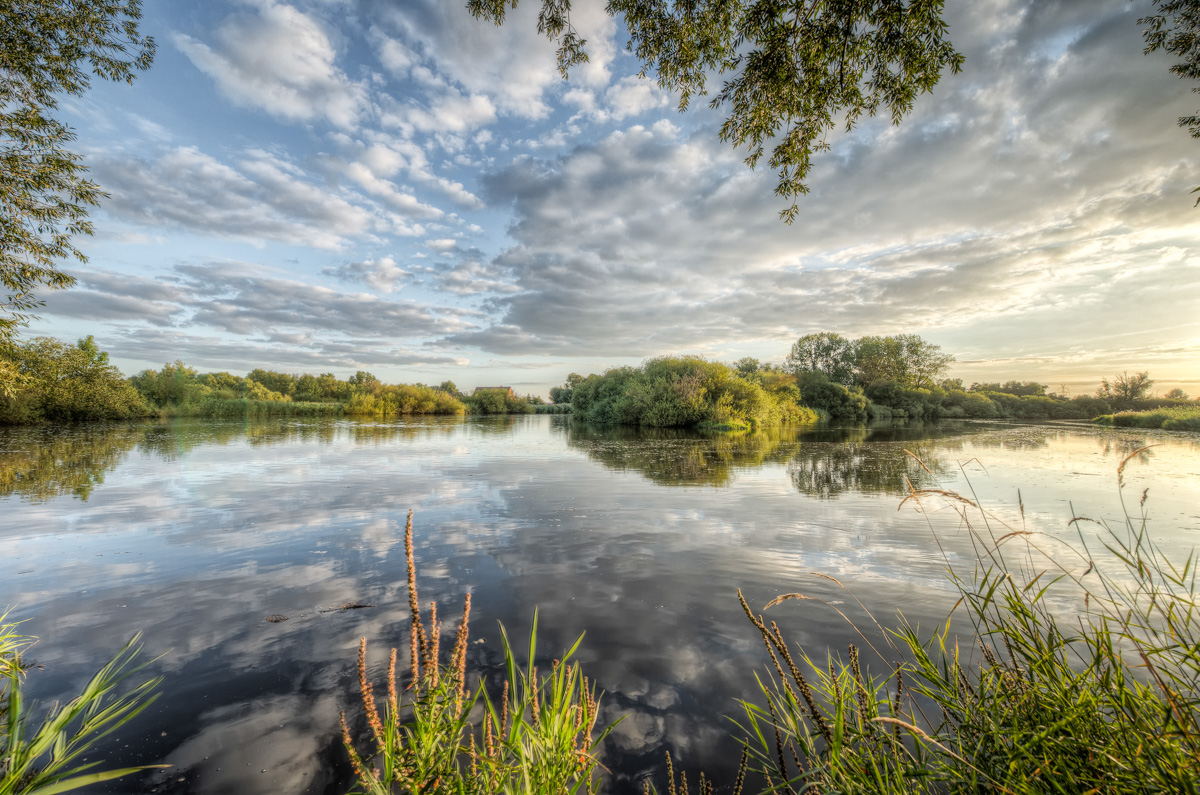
(839, 402)
(682, 391)
(66, 383)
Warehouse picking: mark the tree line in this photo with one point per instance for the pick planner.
(828, 376)
(52, 381)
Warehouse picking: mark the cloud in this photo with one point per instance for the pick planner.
(259, 198)
(1027, 187)
(280, 60)
(382, 274)
(512, 66)
(239, 300)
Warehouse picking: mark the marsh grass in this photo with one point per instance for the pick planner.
(1041, 698)
(436, 737)
(48, 757)
(1176, 418)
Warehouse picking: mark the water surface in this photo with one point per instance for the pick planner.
(195, 532)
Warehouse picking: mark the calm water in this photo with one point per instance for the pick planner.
(195, 533)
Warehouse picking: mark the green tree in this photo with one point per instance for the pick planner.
(1126, 386)
(906, 359)
(1176, 394)
(824, 352)
(793, 71)
(283, 383)
(49, 48)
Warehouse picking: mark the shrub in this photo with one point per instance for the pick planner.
(839, 402)
(66, 383)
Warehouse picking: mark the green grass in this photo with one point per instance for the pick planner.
(536, 738)
(1178, 418)
(47, 757)
(1102, 700)
(1038, 697)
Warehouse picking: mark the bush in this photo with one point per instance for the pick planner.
(66, 383)
(681, 391)
(839, 402)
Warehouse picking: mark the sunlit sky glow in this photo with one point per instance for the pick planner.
(392, 185)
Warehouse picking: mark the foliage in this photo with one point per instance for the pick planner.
(174, 385)
(50, 757)
(1125, 387)
(497, 401)
(1102, 700)
(281, 383)
(824, 352)
(1178, 418)
(1019, 388)
(679, 391)
(249, 408)
(373, 398)
(537, 738)
(65, 383)
(1176, 394)
(835, 400)
(45, 46)
(794, 72)
(904, 358)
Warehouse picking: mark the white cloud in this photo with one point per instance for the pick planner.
(633, 95)
(381, 274)
(280, 60)
(262, 198)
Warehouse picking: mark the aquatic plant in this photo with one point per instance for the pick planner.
(1177, 418)
(537, 738)
(1100, 699)
(49, 758)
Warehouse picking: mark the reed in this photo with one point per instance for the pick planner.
(538, 737)
(49, 757)
(1175, 418)
(1040, 698)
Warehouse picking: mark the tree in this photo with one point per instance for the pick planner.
(906, 359)
(1126, 386)
(1176, 394)
(824, 352)
(796, 70)
(45, 46)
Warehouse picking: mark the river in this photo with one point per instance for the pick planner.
(194, 533)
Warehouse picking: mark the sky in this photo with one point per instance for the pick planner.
(398, 187)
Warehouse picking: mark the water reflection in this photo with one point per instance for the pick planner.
(38, 464)
(828, 469)
(679, 457)
(195, 533)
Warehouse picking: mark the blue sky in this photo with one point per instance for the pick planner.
(392, 185)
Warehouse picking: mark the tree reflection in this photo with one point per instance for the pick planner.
(828, 469)
(677, 456)
(42, 463)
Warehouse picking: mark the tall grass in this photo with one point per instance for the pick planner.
(1178, 418)
(1102, 699)
(47, 757)
(435, 737)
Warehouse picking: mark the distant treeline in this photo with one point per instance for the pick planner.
(825, 376)
(832, 377)
(45, 380)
